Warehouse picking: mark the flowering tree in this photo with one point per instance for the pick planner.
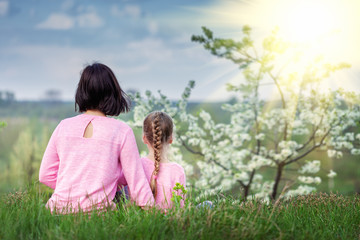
(262, 134)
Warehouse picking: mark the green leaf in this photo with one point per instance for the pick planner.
(148, 93)
(207, 33)
(246, 29)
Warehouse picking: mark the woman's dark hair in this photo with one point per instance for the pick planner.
(99, 89)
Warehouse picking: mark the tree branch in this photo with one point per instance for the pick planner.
(282, 100)
(190, 149)
(309, 150)
(278, 87)
(312, 135)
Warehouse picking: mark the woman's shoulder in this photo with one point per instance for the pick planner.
(109, 121)
(120, 123)
(71, 120)
(116, 123)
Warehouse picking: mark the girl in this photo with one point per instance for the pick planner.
(89, 155)
(161, 174)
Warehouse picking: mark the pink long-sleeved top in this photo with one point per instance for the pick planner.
(86, 172)
(170, 173)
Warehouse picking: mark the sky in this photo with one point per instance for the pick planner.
(44, 44)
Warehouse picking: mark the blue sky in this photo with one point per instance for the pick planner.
(44, 44)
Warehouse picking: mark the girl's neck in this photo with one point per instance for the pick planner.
(95, 112)
(164, 153)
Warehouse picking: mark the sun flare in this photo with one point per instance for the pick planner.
(327, 28)
(307, 21)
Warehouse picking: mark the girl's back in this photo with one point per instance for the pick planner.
(170, 174)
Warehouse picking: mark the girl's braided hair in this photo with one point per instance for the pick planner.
(158, 128)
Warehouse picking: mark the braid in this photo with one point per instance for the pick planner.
(157, 143)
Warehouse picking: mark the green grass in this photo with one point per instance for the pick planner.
(315, 216)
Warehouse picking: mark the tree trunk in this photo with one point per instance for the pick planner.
(246, 192)
(247, 187)
(280, 167)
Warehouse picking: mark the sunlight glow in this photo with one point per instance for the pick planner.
(305, 21)
(328, 28)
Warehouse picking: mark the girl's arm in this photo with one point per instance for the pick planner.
(50, 163)
(132, 168)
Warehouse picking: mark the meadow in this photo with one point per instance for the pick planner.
(316, 216)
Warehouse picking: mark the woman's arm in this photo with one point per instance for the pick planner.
(50, 163)
(132, 168)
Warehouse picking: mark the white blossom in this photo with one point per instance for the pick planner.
(243, 176)
(358, 136)
(301, 190)
(339, 154)
(332, 174)
(331, 153)
(227, 183)
(317, 180)
(260, 136)
(310, 167)
(355, 151)
(205, 116)
(309, 180)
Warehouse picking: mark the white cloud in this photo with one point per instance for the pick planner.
(115, 11)
(57, 21)
(128, 71)
(4, 8)
(91, 20)
(151, 49)
(133, 11)
(152, 27)
(67, 4)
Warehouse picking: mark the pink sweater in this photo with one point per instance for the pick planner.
(86, 172)
(170, 173)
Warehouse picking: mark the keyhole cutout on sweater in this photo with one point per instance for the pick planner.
(88, 133)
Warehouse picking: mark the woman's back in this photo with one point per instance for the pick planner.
(85, 167)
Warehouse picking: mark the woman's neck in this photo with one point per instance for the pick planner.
(95, 112)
